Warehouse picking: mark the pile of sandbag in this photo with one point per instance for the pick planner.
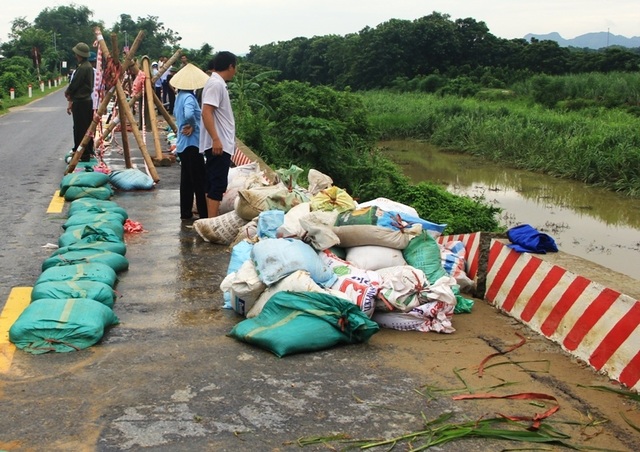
(72, 299)
(94, 181)
(378, 256)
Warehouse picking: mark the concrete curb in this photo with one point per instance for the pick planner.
(595, 323)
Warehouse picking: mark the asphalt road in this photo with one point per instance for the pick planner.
(169, 378)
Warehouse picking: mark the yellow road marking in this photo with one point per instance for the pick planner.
(18, 300)
(56, 204)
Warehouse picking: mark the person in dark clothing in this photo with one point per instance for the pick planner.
(193, 176)
(171, 94)
(80, 104)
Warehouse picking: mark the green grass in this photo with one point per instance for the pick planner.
(6, 103)
(596, 146)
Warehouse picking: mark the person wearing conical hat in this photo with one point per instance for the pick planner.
(80, 104)
(187, 113)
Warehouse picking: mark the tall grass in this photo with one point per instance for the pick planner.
(596, 146)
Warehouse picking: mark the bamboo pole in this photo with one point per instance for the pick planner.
(124, 133)
(123, 124)
(132, 65)
(152, 111)
(121, 95)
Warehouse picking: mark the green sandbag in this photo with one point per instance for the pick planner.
(95, 206)
(91, 179)
(423, 253)
(85, 244)
(95, 271)
(75, 289)
(88, 234)
(61, 325)
(114, 260)
(75, 192)
(296, 322)
(116, 227)
(84, 218)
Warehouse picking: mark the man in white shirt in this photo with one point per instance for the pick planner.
(218, 128)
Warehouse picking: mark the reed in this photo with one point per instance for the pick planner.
(597, 146)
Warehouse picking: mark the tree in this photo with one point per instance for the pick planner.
(66, 26)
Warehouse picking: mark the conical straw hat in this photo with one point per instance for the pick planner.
(189, 77)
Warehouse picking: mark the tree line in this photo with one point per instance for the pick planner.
(36, 50)
(425, 54)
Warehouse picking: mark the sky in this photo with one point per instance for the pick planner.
(235, 25)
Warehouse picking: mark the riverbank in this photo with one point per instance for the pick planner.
(597, 147)
(589, 222)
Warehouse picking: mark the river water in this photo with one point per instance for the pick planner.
(595, 224)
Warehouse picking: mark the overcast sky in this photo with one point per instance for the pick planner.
(236, 24)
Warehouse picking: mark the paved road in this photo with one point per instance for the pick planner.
(168, 378)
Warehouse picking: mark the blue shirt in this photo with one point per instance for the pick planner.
(187, 111)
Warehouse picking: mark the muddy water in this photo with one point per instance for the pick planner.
(588, 222)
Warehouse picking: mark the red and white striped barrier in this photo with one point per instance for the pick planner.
(239, 158)
(594, 323)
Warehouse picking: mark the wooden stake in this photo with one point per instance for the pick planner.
(124, 133)
(160, 159)
(121, 95)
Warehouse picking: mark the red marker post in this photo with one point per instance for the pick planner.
(12, 93)
(30, 90)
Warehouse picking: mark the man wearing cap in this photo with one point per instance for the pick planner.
(187, 113)
(78, 94)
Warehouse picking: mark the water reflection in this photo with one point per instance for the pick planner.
(592, 223)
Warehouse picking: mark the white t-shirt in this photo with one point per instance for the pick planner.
(215, 93)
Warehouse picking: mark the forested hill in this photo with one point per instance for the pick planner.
(425, 50)
(597, 40)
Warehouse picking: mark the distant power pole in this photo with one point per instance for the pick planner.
(607, 38)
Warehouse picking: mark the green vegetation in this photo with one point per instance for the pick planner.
(328, 130)
(595, 145)
(430, 54)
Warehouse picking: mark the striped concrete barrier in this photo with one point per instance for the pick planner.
(597, 324)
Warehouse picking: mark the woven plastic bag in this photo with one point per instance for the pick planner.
(298, 322)
(96, 206)
(61, 325)
(131, 179)
(94, 290)
(118, 262)
(80, 272)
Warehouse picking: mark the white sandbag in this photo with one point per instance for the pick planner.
(400, 288)
(238, 174)
(433, 316)
(222, 229)
(247, 284)
(291, 227)
(318, 181)
(317, 230)
(244, 287)
(278, 258)
(389, 205)
(228, 202)
(374, 257)
(298, 281)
